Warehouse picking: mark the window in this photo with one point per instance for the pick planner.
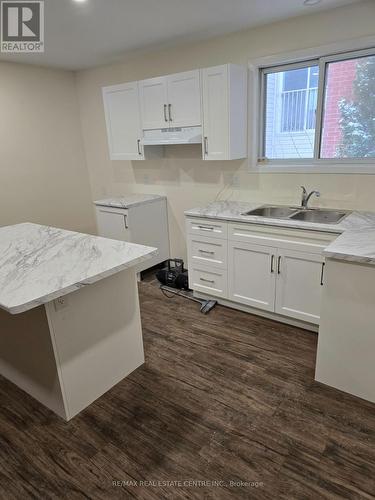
(298, 99)
(320, 110)
(349, 109)
(291, 99)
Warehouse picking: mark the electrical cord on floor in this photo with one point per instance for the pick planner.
(206, 305)
(172, 294)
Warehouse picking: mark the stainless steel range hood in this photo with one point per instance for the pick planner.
(176, 135)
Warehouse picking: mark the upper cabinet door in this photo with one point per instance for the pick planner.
(122, 114)
(215, 113)
(154, 103)
(184, 99)
(225, 112)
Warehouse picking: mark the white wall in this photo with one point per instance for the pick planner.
(43, 173)
(182, 175)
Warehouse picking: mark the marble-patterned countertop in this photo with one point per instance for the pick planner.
(41, 263)
(233, 210)
(356, 232)
(129, 200)
(354, 246)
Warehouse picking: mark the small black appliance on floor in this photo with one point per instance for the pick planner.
(174, 279)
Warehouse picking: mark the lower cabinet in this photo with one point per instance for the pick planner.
(282, 281)
(113, 223)
(299, 285)
(251, 276)
(276, 270)
(145, 224)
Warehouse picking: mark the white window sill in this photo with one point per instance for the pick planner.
(320, 168)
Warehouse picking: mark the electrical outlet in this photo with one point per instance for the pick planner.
(61, 303)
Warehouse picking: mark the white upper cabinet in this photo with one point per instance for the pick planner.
(184, 99)
(171, 101)
(122, 114)
(224, 112)
(154, 103)
(177, 101)
(215, 113)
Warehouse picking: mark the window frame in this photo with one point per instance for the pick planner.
(263, 99)
(327, 165)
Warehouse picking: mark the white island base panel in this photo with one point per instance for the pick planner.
(69, 352)
(346, 346)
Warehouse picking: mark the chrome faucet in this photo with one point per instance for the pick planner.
(306, 197)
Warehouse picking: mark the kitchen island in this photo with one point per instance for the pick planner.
(346, 346)
(70, 325)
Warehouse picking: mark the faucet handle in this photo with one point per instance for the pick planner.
(304, 190)
(317, 194)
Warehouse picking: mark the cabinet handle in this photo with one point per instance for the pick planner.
(207, 281)
(126, 222)
(170, 112)
(206, 228)
(206, 145)
(139, 146)
(272, 261)
(165, 113)
(278, 264)
(206, 251)
(322, 274)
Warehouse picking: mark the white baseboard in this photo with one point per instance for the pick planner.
(258, 312)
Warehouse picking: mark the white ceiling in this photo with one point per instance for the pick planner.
(80, 35)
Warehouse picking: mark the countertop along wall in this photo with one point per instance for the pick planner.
(43, 172)
(182, 176)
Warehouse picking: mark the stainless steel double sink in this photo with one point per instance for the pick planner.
(317, 215)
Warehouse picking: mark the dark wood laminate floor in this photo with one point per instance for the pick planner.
(224, 397)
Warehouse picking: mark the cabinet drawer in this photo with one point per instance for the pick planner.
(207, 227)
(288, 238)
(211, 281)
(207, 251)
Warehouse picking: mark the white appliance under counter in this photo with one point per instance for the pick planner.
(136, 218)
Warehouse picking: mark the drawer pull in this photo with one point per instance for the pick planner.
(207, 281)
(272, 261)
(206, 251)
(322, 274)
(206, 145)
(206, 228)
(279, 265)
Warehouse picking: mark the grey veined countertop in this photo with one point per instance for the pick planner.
(41, 263)
(354, 246)
(129, 200)
(356, 233)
